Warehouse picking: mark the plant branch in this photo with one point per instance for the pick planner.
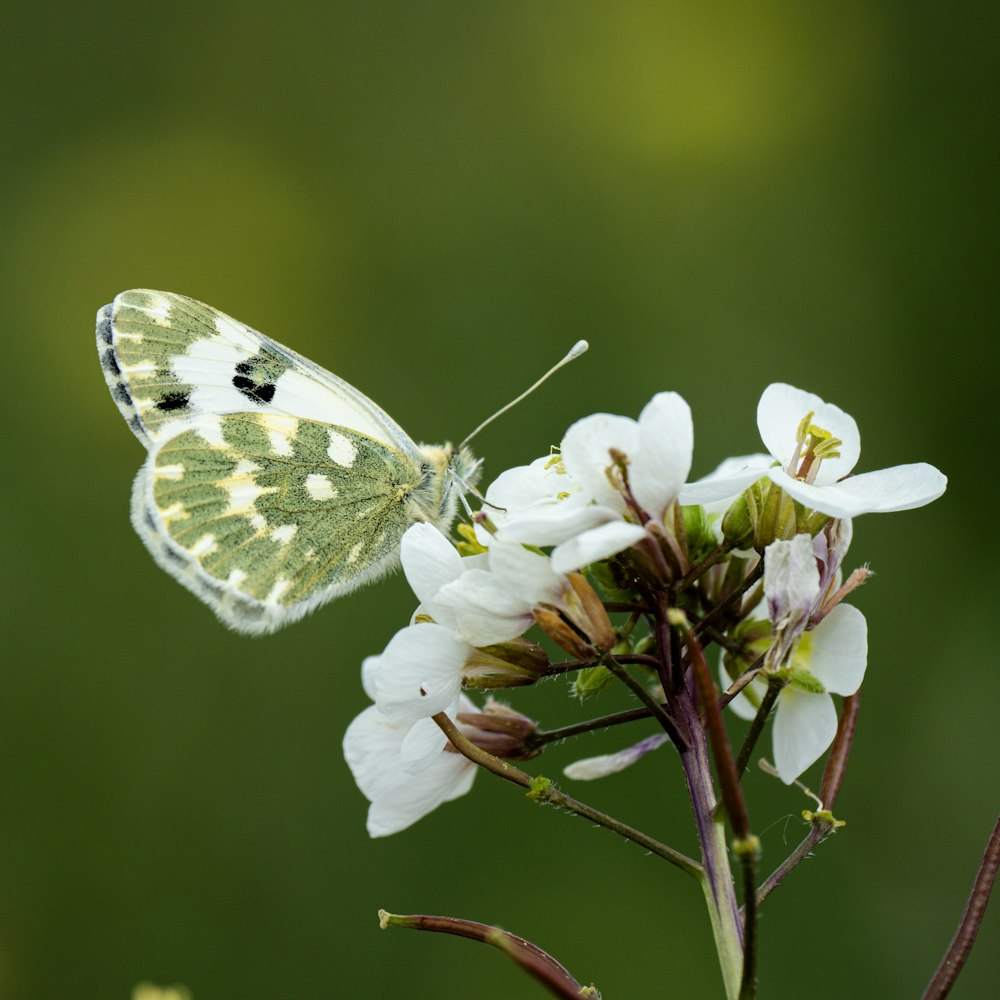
(968, 927)
(833, 777)
(605, 722)
(757, 726)
(656, 709)
(542, 790)
(536, 962)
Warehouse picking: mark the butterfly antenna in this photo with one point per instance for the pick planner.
(574, 352)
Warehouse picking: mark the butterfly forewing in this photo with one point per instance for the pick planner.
(271, 485)
(170, 359)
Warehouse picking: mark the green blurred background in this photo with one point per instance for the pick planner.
(435, 200)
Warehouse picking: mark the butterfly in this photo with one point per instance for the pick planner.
(271, 485)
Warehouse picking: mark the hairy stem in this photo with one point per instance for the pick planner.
(542, 790)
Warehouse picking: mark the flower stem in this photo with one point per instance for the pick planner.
(757, 726)
(968, 927)
(605, 722)
(656, 709)
(536, 962)
(541, 789)
(717, 882)
(833, 777)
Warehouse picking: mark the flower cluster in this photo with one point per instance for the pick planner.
(615, 558)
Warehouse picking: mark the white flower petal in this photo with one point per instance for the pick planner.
(372, 746)
(832, 500)
(586, 454)
(525, 573)
(838, 652)
(804, 726)
(519, 488)
(415, 795)
(422, 743)
(420, 672)
(591, 768)
(485, 611)
(594, 545)
(730, 479)
(429, 561)
(550, 523)
(666, 441)
(902, 487)
(369, 667)
(779, 413)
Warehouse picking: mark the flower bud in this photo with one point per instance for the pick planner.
(555, 626)
(506, 664)
(590, 613)
(501, 731)
(591, 681)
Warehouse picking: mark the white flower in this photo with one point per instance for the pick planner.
(831, 659)
(373, 748)
(816, 446)
(484, 599)
(590, 768)
(791, 587)
(595, 518)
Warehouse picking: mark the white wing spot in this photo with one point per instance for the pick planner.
(320, 488)
(243, 491)
(174, 512)
(341, 450)
(281, 443)
(352, 556)
(236, 577)
(280, 586)
(258, 522)
(284, 533)
(204, 546)
(172, 472)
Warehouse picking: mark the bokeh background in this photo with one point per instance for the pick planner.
(435, 200)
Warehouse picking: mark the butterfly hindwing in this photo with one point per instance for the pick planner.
(266, 516)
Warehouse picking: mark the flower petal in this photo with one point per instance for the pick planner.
(525, 573)
(420, 672)
(422, 743)
(666, 442)
(804, 726)
(594, 545)
(902, 487)
(429, 561)
(549, 523)
(611, 763)
(838, 653)
(779, 413)
(830, 500)
(586, 456)
(484, 609)
(728, 480)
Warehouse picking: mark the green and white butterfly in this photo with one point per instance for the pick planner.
(271, 486)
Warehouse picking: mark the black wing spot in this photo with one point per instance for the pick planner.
(105, 330)
(174, 401)
(110, 363)
(256, 393)
(120, 394)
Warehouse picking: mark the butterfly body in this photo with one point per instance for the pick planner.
(271, 486)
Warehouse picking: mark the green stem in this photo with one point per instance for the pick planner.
(717, 882)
